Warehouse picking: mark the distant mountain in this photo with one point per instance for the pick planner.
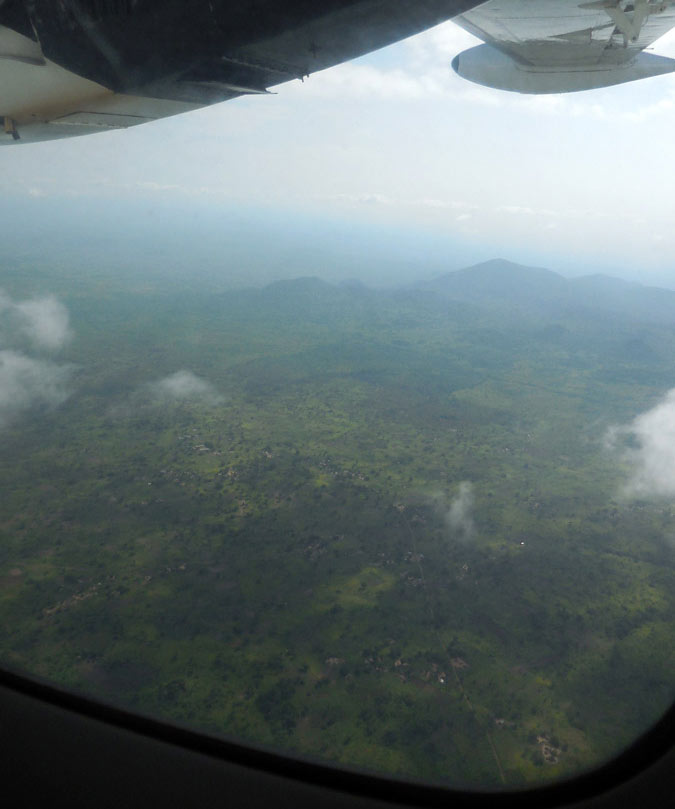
(497, 276)
(503, 283)
(511, 293)
(537, 291)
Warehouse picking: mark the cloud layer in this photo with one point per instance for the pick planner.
(647, 445)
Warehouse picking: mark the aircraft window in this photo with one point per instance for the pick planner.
(289, 454)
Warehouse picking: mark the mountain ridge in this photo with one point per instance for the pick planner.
(505, 287)
(499, 282)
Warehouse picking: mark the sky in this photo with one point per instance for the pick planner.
(395, 141)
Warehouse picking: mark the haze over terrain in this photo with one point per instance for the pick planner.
(232, 246)
(423, 529)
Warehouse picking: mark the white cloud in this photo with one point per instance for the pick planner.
(453, 204)
(516, 210)
(375, 198)
(43, 320)
(153, 186)
(354, 80)
(184, 385)
(181, 386)
(27, 382)
(663, 106)
(366, 198)
(458, 516)
(425, 74)
(440, 44)
(647, 445)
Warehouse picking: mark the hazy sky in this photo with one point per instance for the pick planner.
(579, 183)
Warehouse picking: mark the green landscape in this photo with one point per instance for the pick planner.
(383, 528)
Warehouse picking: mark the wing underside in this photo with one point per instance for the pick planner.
(80, 66)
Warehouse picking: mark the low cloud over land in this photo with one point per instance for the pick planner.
(44, 321)
(36, 324)
(26, 382)
(647, 445)
(181, 386)
(184, 385)
(458, 515)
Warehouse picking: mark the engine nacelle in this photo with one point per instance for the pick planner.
(490, 67)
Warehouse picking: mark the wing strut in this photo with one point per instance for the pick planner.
(631, 27)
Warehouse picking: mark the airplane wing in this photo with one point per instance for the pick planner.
(74, 67)
(545, 46)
